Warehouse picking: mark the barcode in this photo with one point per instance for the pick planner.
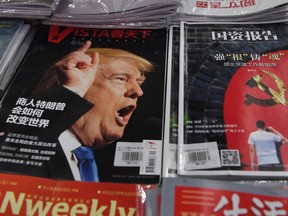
(172, 171)
(198, 157)
(230, 157)
(132, 156)
(151, 162)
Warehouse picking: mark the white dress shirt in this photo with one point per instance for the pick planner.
(69, 142)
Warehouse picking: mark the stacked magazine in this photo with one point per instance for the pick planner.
(232, 101)
(260, 11)
(120, 13)
(231, 78)
(35, 9)
(15, 38)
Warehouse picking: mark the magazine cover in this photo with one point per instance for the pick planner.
(96, 89)
(233, 112)
(260, 11)
(26, 195)
(230, 8)
(192, 196)
(170, 147)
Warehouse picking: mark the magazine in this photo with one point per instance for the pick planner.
(192, 196)
(232, 11)
(119, 14)
(47, 107)
(18, 57)
(233, 100)
(28, 3)
(16, 36)
(9, 31)
(144, 23)
(36, 9)
(116, 9)
(229, 8)
(171, 112)
(152, 203)
(26, 195)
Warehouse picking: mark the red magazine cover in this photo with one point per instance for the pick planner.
(192, 196)
(25, 195)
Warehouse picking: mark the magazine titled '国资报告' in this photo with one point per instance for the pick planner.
(233, 101)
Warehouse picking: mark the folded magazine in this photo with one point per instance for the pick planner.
(39, 112)
(170, 148)
(232, 100)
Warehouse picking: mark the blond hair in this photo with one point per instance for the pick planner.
(52, 77)
(143, 65)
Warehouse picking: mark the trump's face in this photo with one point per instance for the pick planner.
(114, 93)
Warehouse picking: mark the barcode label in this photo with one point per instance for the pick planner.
(128, 154)
(200, 156)
(132, 156)
(170, 161)
(151, 164)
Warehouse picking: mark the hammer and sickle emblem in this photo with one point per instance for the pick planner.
(277, 97)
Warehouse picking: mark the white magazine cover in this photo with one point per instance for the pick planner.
(272, 15)
(228, 7)
(232, 100)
